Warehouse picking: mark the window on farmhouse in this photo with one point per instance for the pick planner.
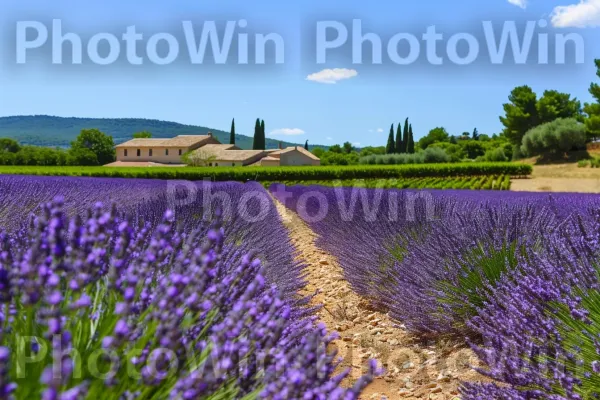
(125, 153)
(150, 153)
(179, 151)
(139, 152)
(166, 152)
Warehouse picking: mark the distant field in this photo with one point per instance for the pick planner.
(560, 178)
(484, 182)
(279, 174)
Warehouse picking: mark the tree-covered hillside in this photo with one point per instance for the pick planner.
(44, 130)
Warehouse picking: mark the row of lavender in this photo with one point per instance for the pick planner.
(514, 274)
(183, 292)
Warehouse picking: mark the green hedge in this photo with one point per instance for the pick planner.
(485, 182)
(280, 173)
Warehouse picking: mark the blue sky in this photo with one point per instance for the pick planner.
(297, 99)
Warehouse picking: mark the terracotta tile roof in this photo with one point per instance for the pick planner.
(238, 155)
(187, 140)
(143, 143)
(296, 148)
(177, 141)
(213, 150)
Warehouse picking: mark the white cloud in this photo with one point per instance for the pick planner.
(584, 14)
(287, 131)
(356, 144)
(329, 138)
(379, 130)
(332, 76)
(519, 3)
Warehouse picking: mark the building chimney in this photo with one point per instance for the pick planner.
(209, 134)
(280, 146)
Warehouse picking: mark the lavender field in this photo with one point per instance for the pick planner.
(149, 289)
(512, 275)
(131, 289)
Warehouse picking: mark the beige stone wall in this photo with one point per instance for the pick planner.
(269, 163)
(296, 158)
(158, 155)
(224, 164)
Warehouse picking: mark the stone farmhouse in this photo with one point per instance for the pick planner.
(205, 150)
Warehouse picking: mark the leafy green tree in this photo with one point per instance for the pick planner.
(82, 156)
(520, 114)
(142, 135)
(472, 148)
(405, 137)
(306, 145)
(369, 150)
(317, 151)
(592, 125)
(348, 148)
(453, 139)
(475, 135)
(9, 145)
(435, 135)
(592, 110)
(391, 146)
(256, 141)
(410, 146)
(399, 144)
(100, 144)
(553, 105)
(336, 148)
(556, 137)
(232, 132)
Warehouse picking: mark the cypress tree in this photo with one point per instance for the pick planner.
(232, 134)
(263, 138)
(391, 147)
(306, 145)
(256, 141)
(410, 146)
(399, 144)
(405, 137)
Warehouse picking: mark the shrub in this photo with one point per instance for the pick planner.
(494, 155)
(434, 155)
(583, 163)
(455, 151)
(556, 137)
(427, 156)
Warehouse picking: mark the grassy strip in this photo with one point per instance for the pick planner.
(492, 182)
(281, 173)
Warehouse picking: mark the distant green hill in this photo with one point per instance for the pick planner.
(45, 130)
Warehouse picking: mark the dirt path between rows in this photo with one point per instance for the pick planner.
(413, 370)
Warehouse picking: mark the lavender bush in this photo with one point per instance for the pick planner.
(540, 331)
